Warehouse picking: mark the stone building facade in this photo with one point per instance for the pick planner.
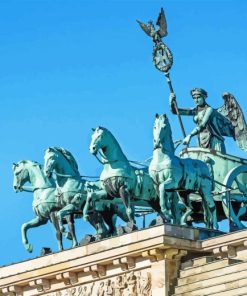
(162, 260)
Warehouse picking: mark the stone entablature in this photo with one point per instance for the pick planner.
(145, 262)
(231, 245)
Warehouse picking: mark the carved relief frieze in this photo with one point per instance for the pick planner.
(136, 283)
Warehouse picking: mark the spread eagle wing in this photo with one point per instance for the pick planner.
(232, 111)
(161, 22)
(145, 28)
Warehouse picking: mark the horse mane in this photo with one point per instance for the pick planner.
(114, 140)
(167, 143)
(28, 162)
(111, 134)
(169, 130)
(33, 162)
(68, 156)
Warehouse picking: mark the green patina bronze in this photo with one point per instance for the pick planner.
(110, 208)
(203, 184)
(213, 124)
(119, 178)
(68, 182)
(45, 203)
(229, 176)
(74, 192)
(171, 173)
(229, 173)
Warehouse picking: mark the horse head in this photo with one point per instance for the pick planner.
(62, 162)
(98, 140)
(21, 175)
(50, 160)
(161, 130)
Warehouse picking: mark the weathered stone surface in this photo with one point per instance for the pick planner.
(213, 280)
(212, 266)
(144, 262)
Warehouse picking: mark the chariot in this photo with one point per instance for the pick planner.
(229, 174)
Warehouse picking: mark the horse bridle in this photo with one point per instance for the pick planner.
(64, 175)
(28, 188)
(105, 161)
(157, 145)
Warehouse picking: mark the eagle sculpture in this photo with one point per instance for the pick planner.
(150, 30)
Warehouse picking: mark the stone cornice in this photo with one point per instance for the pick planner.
(228, 245)
(139, 252)
(156, 243)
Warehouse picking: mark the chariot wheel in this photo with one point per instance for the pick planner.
(234, 195)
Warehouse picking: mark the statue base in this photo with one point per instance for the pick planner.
(145, 262)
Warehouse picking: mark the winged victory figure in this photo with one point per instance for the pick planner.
(150, 30)
(212, 125)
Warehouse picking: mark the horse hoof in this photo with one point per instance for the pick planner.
(216, 226)
(120, 230)
(86, 218)
(87, 239)
(75, 245)
(62, 229)
(99, 237)
(29, 248)
(167, 218)
(130, 227)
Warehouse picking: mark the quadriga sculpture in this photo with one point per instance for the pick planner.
(171, 173)
(45, 203)
(119, 179)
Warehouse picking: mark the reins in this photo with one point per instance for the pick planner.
(30, 188)
(72, 176)
(105, 161)
(112, 161)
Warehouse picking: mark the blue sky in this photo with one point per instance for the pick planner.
(68, 66)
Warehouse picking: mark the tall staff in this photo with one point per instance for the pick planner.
(162, 56)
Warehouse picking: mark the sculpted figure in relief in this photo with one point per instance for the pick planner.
(119, 286)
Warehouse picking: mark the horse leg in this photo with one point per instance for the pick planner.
(125, 196)
(66, 211)
(109, 218)
(175, 208)
(97, 222)
(71, 225)
(58, 232)
(164, 203)
(93, 196)
(184, 206)
(119, 211)
(87, 206)
(210, 215)
(37, 221)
